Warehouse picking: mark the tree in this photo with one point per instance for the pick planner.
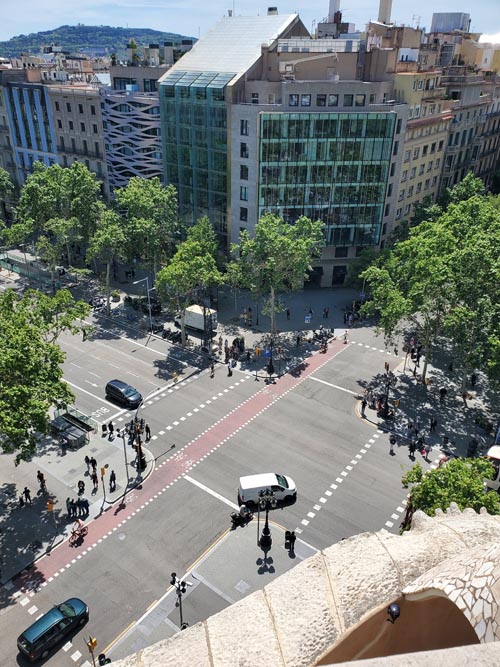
(190, 268)
(153, 225)
(203, 232)
(6, 191)
(278, 257)
(30, 364)
(64, 193)
(468, 187)
(459, 480)
(107, 244)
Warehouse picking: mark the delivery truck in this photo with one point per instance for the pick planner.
(195, 318)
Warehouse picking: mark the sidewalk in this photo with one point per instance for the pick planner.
(29, 532)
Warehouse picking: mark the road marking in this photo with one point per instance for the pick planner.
(389, 524)
(67, 646)
(94, 374)
(76, 656)
(73, 364)
(211, 492)
(32, 610)
(335, 386)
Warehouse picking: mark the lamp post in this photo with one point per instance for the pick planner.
(270, 365)
(180, 588)
(136, 282)
(266, 501)
(124, 435)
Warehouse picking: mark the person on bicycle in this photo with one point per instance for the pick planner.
(78, 527)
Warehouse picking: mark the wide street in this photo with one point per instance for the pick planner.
(304, 425)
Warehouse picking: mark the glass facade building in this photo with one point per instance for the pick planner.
(328, 166)
(194, 132)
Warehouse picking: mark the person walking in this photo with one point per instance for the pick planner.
(212, 368)
(111, 429)
(95, 480)
(87, 463)
(364, 403)
(27, 495)
(298, 341)
(464, 398)
(112, 481)
(412, 448)
(93, 463)
(293, 538)
(229, 370)
(68, 507)
(78, 508)
(41, 480)
(434, 423)
(147, 430)
(72, 508)
(288, 313)
(85, 506)
(345, 337)
(427, 450)
(392, 442)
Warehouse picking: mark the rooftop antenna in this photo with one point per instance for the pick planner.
(416, 19)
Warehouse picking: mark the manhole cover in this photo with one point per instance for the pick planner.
(122, 536)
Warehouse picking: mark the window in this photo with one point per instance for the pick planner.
(421, 169)
(243, 172)
(82, 127)
(61, 142)
(80, 108)
(398, 125)
(401, 195)
(404, 175)
(407, 156)
(70, 123)
(417, 111)
(305, 100)
(85, 149)
(437, 163)
(416, 153)
(59, 123)
(419, 188)
(373, 98)
(333, 100)
(395, 148)
(360, 100)
(427, 184)
(399, 213)
(68, 107)
(243, 193)
(58, 107)
(94, 128)
(92, 110)
(255, 98)
(440, 145)
(430, 165)
(425, 150)
(243, 214)
(407, 209)
(434, 180)
(244, 128)
(348, 100)
(413, 172)
(293, 100)
(433, 147)
(389, 190)
(410, 191)
(321, 100)
(243, 150)
(420, 85)
(387, 209)
(393, 169)
(341, 252)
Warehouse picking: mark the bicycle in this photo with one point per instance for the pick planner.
(77, 534)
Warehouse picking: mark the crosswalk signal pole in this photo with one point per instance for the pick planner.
(91, 645)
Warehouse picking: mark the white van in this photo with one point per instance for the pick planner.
(282, 486)
(493, 455)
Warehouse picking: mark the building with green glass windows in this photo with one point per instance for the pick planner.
(261, 117)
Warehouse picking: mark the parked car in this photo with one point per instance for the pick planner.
(123, 393)
(50, 629)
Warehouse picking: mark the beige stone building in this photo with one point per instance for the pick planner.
(425, 140)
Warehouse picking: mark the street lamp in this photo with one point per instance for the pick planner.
(180, 588)
(136, 282)
(266, 501)
(124, 435)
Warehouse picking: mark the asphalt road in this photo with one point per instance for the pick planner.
(347, 481)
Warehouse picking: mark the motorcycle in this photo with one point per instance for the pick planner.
(238, 519)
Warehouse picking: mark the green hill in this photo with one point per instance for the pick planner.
(85, 38)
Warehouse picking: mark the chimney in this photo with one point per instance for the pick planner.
(384, 11)
(272, 11)
(332, 9)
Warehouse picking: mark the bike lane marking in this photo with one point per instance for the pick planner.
(167, 473)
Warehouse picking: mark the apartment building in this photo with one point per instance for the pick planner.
(425, 138)
(7, 156)
(261, 117)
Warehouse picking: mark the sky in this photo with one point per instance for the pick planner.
(194, 17)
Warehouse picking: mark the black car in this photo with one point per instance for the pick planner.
(123, 393)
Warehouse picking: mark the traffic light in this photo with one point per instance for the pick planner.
(91, 644)
(103, 471)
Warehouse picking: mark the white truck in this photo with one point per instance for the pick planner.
(195, 318)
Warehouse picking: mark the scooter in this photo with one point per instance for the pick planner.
(241, 520)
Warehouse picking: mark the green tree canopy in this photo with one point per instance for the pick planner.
(30, 364)
(278, 257)
(6, 192)
(151, 213)
(64, 193)
(459, 480)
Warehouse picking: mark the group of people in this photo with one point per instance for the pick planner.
(25, 497)
(77, 508)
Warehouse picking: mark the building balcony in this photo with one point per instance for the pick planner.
(81, 153)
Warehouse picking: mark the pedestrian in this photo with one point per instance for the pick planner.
(288, 313)
(212, 366)
(363, 407)
(293, 538)
(27, 495)
(298, 341)
(71, 508)
(111, 429)
(345, 337)
(442, 394)
(392, 442)
(79, 508)
(350, 320)
(427, 449)
(464, 398)
(147, 430)
(93, 463)
(112, 482)
(229, 369)
(87, 463)
(324, 313)
(434, 423)
(68, 507)
(41, 480)
(85, 506)
(95, 480)
(412, 448)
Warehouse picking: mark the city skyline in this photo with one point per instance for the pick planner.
(177, 17)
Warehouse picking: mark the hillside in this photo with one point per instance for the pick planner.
(85, 38)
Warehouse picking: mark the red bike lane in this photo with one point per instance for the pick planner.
(63, 556)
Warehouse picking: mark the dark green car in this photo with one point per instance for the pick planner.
(36, 641)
